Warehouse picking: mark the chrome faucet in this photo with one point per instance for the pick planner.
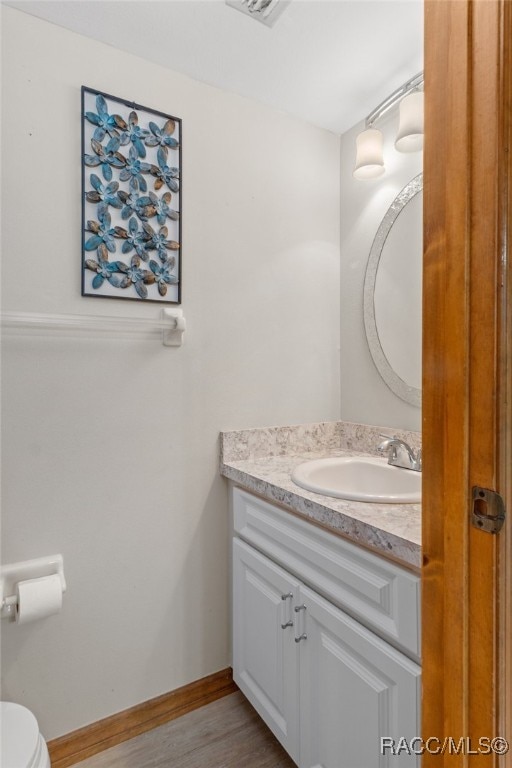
(400, 454)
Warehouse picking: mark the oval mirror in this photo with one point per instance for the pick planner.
(392, 294)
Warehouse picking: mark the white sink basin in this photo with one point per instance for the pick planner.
(359, 479)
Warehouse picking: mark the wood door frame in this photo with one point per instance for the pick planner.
(505, 445)
(467, 358)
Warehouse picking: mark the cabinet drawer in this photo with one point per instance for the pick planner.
(380, 594)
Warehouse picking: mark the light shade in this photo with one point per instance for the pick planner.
(410, 127)
(369, 161)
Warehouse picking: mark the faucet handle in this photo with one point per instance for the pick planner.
(390, 445)
(406, 459)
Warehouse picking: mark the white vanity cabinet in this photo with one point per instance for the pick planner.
(325, 640)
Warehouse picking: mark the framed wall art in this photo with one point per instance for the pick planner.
(131, 200)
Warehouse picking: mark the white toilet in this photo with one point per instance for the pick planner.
(21, 745)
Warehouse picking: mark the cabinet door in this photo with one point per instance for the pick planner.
(265, 655)
(354, 690)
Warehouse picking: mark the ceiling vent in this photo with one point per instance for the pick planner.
(266, 11)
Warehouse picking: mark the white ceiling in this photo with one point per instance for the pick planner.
(329, 62)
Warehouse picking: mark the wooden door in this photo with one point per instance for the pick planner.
(467, 370)
(354, 690)
(265, 654)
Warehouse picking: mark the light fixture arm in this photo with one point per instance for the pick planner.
(411, 85)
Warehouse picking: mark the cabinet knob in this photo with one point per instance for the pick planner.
(302, 636)
(289, 622)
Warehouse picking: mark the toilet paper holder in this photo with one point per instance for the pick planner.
(11, 574)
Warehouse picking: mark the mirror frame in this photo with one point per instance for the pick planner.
(411, 395)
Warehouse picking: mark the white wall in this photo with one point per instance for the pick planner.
(365, 397)
(110, 447)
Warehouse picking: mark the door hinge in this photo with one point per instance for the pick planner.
(487, 510)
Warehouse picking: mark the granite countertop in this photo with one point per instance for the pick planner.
(262, 461)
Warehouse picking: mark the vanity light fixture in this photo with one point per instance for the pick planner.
(369, 159)
(410, 128)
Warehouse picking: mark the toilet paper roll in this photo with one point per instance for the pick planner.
(38, 598)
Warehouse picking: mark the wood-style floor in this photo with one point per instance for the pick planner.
(225, 734)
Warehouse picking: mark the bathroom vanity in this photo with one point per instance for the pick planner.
(326, 628)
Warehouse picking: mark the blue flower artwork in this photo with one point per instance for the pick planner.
(131, 200)
(163, 273)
